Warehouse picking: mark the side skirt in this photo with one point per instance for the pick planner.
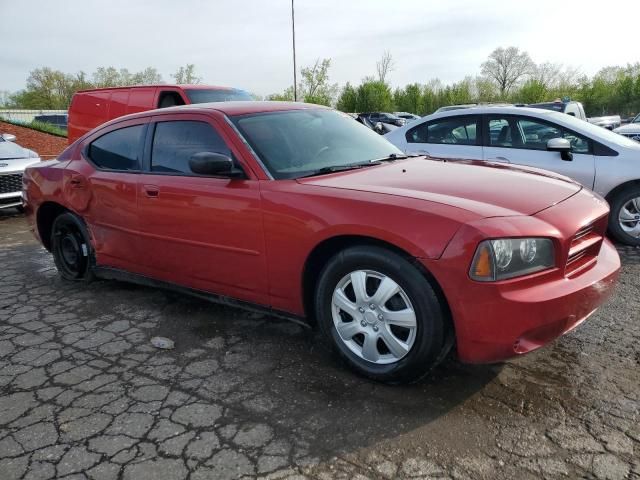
(108, 273)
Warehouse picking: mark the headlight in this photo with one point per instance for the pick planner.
(511, 257)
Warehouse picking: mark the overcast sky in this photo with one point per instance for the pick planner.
(247, 43)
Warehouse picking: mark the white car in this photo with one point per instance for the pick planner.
(599, 159)
(13, 160)
(631, 130)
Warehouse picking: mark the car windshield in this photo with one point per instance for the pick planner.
(636, 120)
(596, 131)
(297, 143)
(200, 95)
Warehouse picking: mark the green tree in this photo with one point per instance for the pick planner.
(315, 86)
(286, 96)
(348, 99)
(373, 96)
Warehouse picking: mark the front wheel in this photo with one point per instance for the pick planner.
(624, 219)
(380, 314)
(71, 248)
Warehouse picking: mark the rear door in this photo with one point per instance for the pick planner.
(101, 185)
(522, 140)
(201, 232)
(455, 137)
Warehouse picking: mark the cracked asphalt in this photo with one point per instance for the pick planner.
(84, 395)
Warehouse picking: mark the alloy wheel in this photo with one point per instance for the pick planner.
(629, 217)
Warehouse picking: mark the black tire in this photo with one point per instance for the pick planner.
(429, 343)
(71, 248)
(620, 199)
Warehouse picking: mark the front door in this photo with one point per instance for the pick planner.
(201, 232)
(522, 140)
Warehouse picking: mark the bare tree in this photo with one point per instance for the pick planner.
(385, 66)
(186, 75)
(507, 67)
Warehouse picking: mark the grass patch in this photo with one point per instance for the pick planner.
(39, 126)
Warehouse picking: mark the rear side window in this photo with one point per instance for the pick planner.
(118, 149)
(175, 142)
(455, 131)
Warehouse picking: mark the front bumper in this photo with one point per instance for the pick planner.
(10, 200)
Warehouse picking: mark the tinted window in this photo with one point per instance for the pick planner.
(175, 142)
(537, 134)
(457, 131)
(119, 149)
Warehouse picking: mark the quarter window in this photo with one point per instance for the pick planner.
(457, 131)
(175, 142)
(118, 149)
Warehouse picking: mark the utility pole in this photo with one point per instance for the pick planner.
(295, 75)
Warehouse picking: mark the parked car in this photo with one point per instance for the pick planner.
(13, 160)
(610, 122)
(383, 117)
(631, 130)
(600, 160)
(90, 108)
(575, 109)
(409, 117)
(59, 119)
(448, 108)
(299, 210)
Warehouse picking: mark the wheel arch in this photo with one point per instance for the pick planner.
(324, 250)
(45, 216)
(623, 186)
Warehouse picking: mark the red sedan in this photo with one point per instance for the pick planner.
(301, 211)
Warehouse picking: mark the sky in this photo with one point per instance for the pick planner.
(247, 43)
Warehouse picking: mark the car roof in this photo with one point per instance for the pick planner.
(245, 107)
(161, 85)
(502, 109)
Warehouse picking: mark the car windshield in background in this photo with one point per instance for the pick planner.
(636, 120)
(556, 107)
(596, 131)
(199, 95)
(297, 143)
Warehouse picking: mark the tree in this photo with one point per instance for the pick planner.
(111, 77)
(374, 96)
(186, 75)
(348, 100)
(409, 99)
(507, 67)
(384, 66)
(315, 86)
(286, 96)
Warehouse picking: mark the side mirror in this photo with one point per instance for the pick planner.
(209, 163)
(561, 145)
(379, 128)
(9, 137)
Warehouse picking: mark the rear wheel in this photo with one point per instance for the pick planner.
(72, 252)
(624, 219)
(380, 314)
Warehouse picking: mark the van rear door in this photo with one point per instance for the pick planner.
(87, 111)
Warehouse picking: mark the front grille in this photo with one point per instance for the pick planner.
(584, 248)
(11, 183)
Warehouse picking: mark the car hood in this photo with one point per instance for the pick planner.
(487, 189)
(629, 128)
(10, 150)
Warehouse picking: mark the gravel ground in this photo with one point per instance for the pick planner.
(85, 395)
(45, 145)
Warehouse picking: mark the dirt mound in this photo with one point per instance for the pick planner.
(46, 145)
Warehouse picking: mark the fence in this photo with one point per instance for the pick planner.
(27, 116)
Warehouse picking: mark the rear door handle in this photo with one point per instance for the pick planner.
(151, 191)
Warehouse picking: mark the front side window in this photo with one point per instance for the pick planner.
(119, 149)
(175, 142)
(536, 134)
(296, 143)
(457, 130)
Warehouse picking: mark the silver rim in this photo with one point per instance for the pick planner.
(629, 217)
(374, 317)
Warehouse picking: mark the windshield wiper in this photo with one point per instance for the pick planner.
(337, 168)
(390, 158)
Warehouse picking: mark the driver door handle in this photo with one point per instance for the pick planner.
(151, 191)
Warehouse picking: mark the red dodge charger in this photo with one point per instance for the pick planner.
(299, 210)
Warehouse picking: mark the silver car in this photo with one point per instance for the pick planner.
(597, 158)
(631, 130)
(13, 160)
